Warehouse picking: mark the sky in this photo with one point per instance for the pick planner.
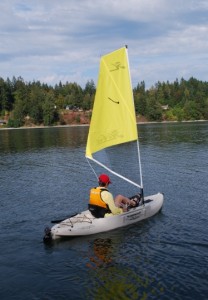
(62, 40)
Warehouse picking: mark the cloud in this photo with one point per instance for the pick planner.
(63, 40)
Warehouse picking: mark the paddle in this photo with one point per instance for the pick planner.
(58, 221)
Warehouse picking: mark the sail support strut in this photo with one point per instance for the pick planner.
(115, 173)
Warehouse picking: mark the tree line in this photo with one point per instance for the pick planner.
(177, 101)
(42, 104)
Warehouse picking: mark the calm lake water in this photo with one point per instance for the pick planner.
(44, 176)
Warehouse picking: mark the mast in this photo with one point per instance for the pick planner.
(138, 149)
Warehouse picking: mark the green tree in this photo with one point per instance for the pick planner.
(90, 88)
(73, 93)
(154, 110)
(49, 110)
(178, 112)
(19, 113)
(192, 111)
(87, 102)
(21, 97)
(140, 98)
(88, 95)
(37, 98)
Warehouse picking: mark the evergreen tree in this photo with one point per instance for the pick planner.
(49, 110)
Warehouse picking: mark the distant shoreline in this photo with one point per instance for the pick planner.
(87, 125)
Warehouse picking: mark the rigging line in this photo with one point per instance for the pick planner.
(91, 168)
(111, 171)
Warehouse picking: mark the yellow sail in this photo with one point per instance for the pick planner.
(113, 119)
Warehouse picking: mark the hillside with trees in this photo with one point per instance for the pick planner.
(35, 103)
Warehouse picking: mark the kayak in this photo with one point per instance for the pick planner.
(85, 223)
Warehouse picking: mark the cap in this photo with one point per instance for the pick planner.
(104, 178)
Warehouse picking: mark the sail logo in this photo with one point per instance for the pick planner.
(110, 136)
(114, 101)
(117, 65)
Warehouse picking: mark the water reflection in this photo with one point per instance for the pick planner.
(102, 253)
(173, 133)
(20, 140)
(115, 279)
(110, 273)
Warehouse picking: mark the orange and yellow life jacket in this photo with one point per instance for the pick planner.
(95, 197)
(96, 205)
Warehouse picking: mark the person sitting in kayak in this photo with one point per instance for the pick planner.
(102, 204)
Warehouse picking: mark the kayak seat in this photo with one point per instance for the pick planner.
(147, 201)
(97, 211)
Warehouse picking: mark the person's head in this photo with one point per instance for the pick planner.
(104, 180)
